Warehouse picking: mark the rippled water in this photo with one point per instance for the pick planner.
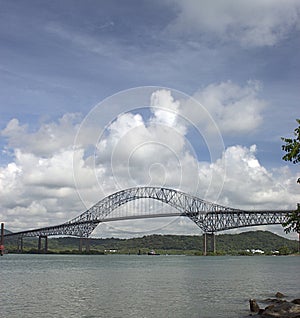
(140, 286)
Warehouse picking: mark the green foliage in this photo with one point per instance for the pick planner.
(293, 222)
(292, 149)
(284, 250)
(234, 244)
(292, 146)
(262, 240)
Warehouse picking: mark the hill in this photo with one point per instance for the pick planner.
(176, 244)
(263, 240)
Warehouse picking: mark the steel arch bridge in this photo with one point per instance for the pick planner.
(210, 217)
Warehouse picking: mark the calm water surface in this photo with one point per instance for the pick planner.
(141, 286)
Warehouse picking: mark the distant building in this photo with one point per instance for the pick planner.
(110, 251)
(275, 252)
(254, 251)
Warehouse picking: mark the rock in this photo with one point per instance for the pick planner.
(279, 308)
(282, 310)
(279, 295)
(253, 305)
(274, 300)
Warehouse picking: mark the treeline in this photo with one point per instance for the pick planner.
(170, 244)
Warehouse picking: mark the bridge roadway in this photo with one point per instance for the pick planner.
(208, 216)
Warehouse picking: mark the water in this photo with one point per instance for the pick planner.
(114, 286)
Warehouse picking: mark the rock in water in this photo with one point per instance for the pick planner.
(253, 305)
(279, 308)
(283, 310)
(279, 295)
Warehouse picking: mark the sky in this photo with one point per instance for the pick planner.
(99, 96)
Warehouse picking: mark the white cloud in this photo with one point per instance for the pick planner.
(251, 23)
(235, 109)
(151, 151)
(249, 185)
(166, 110)
(37, 187)
(49, 138)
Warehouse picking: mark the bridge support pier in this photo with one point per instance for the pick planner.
(206, 238)
(40, 244)
(20, 244)
(86, 242)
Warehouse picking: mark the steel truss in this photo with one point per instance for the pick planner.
(210, 217)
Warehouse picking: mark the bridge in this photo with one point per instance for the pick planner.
(209, 217)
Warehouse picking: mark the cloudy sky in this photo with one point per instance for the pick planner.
(98, 96)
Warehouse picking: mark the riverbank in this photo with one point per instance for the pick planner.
(144, 252)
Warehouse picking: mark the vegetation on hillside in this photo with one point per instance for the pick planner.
(169, 244)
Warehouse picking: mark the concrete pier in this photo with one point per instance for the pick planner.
(20, 244)
(86, 242)
(209, 238)
(45, 250)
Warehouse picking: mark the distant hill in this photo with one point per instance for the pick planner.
(263, 240)
(225, 243)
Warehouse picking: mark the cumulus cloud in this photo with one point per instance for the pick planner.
(49, 138)
(147, 151)
(251, 23)
(234, 108)
(166, 110)
(249, 185)
(37, 186)
(30, 182)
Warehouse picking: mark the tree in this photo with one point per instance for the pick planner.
(284, 250)
(293, 222)
(292, 149)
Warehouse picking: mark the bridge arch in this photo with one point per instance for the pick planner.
(208, 216)
(186, 205)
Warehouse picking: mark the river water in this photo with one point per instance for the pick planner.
(141, 286)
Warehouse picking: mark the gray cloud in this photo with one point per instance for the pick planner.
(250, 23)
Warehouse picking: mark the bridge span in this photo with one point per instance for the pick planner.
(209, 217)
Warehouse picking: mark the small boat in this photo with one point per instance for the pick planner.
(152, 252)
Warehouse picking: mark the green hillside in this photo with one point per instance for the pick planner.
(262, 240)
(170, 244)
